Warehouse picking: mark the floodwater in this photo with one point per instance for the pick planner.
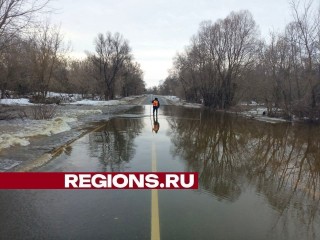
(256, 181)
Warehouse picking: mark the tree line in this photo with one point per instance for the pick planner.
(34, 58)
(227, 63)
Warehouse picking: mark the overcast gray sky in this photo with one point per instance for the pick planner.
(156, 29)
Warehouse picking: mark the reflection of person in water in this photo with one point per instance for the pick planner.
(156, 124)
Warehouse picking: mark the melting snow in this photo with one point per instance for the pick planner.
(20, 101)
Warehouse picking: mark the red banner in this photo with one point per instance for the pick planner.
(99, 180)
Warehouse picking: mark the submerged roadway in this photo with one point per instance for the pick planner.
(235, 199)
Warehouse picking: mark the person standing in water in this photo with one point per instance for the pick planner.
(156, 105)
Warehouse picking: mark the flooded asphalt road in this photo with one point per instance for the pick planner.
(256, 181)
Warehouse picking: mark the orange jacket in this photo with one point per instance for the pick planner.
(155, 103)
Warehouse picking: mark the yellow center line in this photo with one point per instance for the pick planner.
(155, 225)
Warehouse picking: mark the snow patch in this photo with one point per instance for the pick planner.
(97, 103)
(7, 140)
(77, 113)
(33, 128)
(18, 132)
(257, 114)
(65, 97)
(54, 126)
(258, 111)
(20, 101)
(173, 98)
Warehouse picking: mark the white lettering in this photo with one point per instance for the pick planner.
(152, 181)
(131, 180)
(99, 181)
(84, 181)
(70, 179)
(139, 182)
(116, 179)
(183, 181)
(172, 179)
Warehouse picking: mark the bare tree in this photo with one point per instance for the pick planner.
(111, 53)
(307, 27)
(15, 15)
(276, 63)
(217, 59)
(9, 67)
(186, 71)
(131, 79)
(45, 49)
(80, 76)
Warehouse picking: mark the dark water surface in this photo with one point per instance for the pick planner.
(257, 181)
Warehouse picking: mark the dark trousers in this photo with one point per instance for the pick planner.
(155, 109)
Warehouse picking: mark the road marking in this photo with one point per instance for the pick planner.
(155, 225)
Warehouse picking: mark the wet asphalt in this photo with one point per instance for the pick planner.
(248, 189)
